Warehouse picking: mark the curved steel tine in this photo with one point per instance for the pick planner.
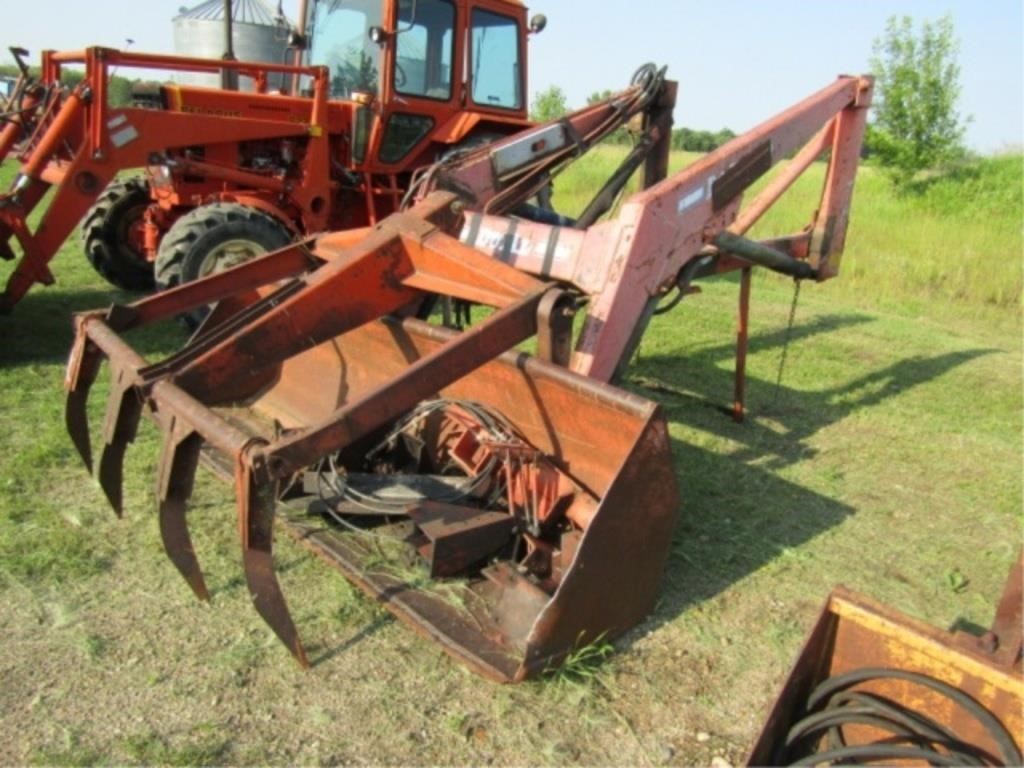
(179, 459)
(83, 366)
(119, 428)
(256, 504)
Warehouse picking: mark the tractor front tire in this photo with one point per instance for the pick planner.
(213, 238)
(112, 235)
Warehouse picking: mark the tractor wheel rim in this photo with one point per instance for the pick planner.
(229, 254)
(131, 230)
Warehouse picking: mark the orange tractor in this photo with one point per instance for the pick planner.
(375, 90)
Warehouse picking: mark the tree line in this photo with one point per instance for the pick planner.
(914, 127)
(551, 104)
(119, 89)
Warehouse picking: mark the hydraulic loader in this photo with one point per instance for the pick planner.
(526, 483)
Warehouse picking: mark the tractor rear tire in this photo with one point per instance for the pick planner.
(111, 235)
(212, 238)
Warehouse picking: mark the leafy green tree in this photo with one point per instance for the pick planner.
(620, 135)
(549, 104)
(700, 141)
(723, 136)
(119, 91)
(916, 123)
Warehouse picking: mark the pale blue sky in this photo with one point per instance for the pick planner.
(737, 61)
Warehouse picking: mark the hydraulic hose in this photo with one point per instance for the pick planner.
(913, 735)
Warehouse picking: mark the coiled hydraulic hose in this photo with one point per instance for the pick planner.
(912, 735)
(490, 424)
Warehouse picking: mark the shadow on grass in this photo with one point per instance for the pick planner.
(39, 330)
(738, 514)
(234, 584)
(326, 653)
(735, 518)
(696, 391)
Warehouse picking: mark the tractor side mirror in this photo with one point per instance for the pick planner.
(537, 24)
(379, 35)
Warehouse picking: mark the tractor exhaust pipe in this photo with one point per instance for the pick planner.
(229, 77)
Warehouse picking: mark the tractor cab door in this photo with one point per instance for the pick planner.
(339, 38)
(397, 62)
(422, 83)
(448, 65)
(496, 80)
(418, 76)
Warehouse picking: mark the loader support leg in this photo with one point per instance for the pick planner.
(18, 284)
(742, 330)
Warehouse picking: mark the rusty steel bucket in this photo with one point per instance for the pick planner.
(505, 624)
(872, 680)
(507, 594)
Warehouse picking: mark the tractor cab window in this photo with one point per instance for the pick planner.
(424, 48)
(339, 39)
(495, 60)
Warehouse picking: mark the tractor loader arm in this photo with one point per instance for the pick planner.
(675, 230)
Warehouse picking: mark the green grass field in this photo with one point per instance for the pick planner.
(888, 459)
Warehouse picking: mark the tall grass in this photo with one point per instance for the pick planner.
(956, 237)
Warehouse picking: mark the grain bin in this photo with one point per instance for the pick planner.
(260, 34)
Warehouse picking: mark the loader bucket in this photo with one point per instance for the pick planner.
(504, 622)
(502, 506)
(873, 685)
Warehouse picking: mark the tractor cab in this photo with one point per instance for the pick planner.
(422, 74)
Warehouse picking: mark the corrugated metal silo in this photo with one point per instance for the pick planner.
(259, 34)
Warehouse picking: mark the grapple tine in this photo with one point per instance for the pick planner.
(83, 366)
(119, 428)
(256, 502)
(176, 473)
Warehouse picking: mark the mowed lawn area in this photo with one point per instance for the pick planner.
(888, 459)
